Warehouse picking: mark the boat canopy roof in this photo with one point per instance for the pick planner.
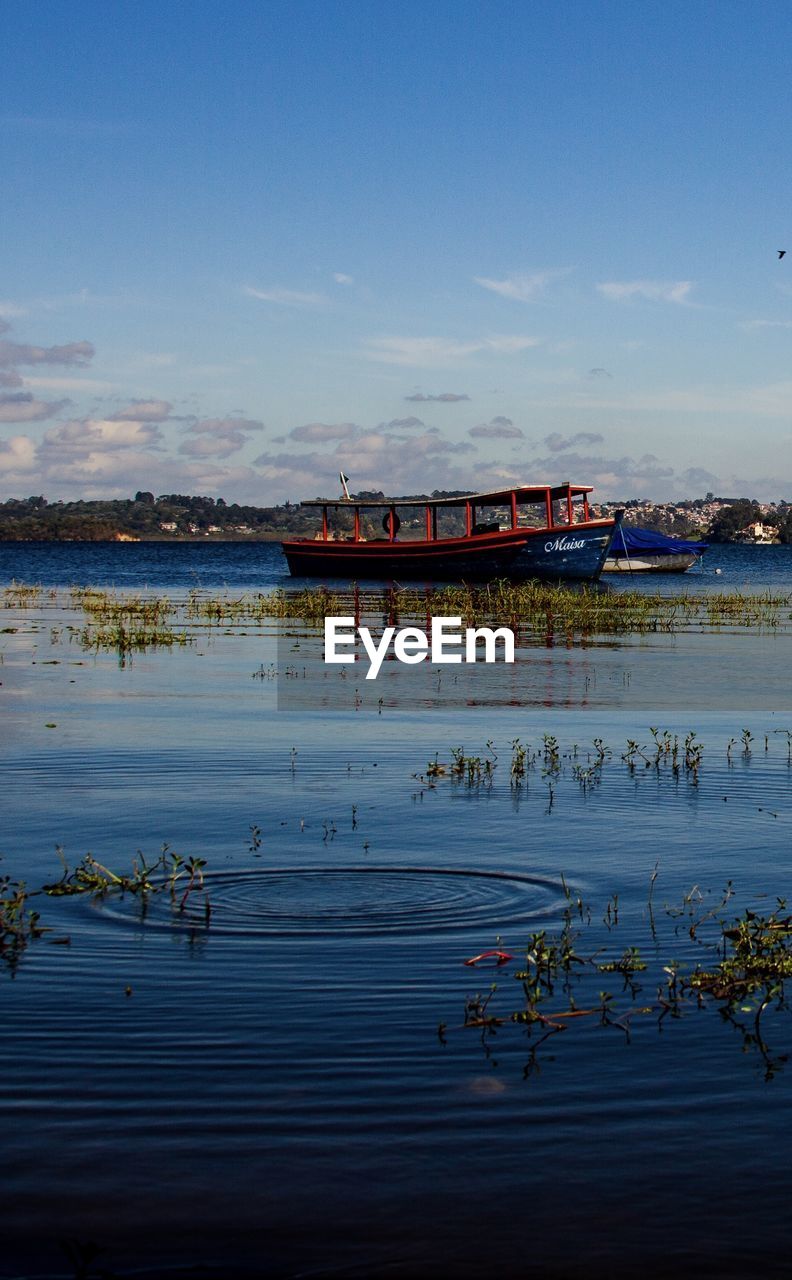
(523, 493)
(630, 539)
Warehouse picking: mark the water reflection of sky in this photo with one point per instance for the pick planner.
(284, 1072)
(259, 565)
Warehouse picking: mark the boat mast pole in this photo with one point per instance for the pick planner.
(324, 524)
(514, 509)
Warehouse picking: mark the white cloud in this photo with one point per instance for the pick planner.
(655, 290)
(17, 457)
(521, 288)
(556, 442)
(286, 297)
(431, 352)
(86, 435)
(317, 432)
(21, 406)
(499, 428)
(445, 397)
(341, 278)
(611, 477)
(143, 411)
(107, 460)
(67, 383)
(16, 353)
(401, 424)
(218, 437)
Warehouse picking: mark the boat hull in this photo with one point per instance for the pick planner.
(566, 553)
(650, 564)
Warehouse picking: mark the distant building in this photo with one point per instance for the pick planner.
(757, 533)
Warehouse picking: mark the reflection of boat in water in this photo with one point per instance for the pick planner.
(636, 550)
(530, 531)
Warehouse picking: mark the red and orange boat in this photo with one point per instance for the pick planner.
(530, 531)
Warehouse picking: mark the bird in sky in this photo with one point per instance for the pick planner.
(781, 252)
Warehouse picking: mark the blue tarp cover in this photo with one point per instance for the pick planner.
(656, 544)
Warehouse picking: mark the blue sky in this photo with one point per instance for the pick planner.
(433, 245)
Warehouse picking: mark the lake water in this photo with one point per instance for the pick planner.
(290, 1089)
(258, 565)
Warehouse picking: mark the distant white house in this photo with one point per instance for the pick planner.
(757, 533)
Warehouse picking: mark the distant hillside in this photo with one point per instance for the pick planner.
(171, 517)
(168, 518)
(180, 517)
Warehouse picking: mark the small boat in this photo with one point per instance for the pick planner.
(529, 531)
(635, 550)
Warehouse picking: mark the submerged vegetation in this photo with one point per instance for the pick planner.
(182, 879)
(749, 959)
(739, 965)
(169, 873)
(19, 924)
(535, 611)
(669, 753)
(528, 607)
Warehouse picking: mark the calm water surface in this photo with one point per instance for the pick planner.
(270, 1095)
(134, 565)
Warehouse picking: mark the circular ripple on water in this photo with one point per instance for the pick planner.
(351, 900)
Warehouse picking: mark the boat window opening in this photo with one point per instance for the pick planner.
(412, 527)
(531, 515)
(449, 522)
(579, 508)
(393, 524)
(491, 518)
(343, 523)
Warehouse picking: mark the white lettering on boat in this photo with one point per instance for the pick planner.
(411, 644)
(565, 544)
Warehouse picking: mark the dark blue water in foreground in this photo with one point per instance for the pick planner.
(273, 1095)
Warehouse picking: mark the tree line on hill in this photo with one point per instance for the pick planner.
(171, 516)
(177, 516)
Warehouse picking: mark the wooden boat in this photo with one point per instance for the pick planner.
(635, 550)
(530, 531)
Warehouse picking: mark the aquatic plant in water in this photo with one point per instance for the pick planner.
(532, 609)
(586, 765)
(750, 961)
(19, 924)
(170, 873)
